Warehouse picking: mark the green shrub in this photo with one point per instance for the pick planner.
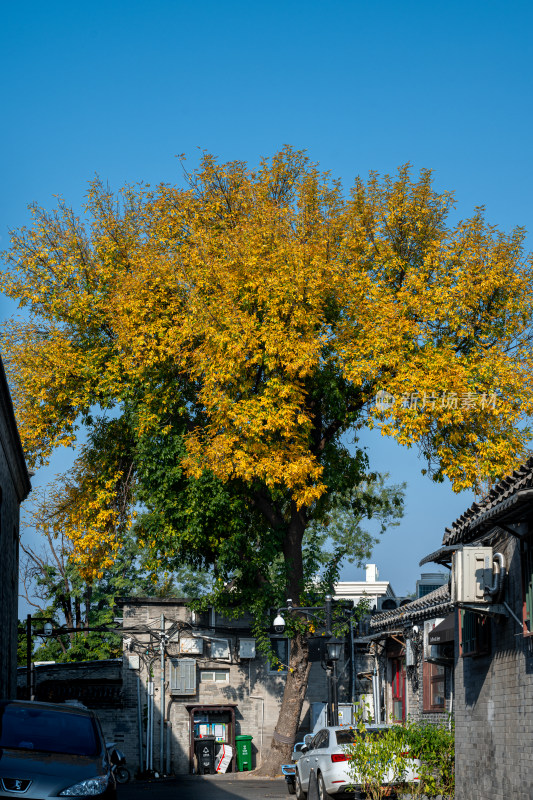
(434, 745)
(376, 760)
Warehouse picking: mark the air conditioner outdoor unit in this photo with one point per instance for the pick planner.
(471, 574)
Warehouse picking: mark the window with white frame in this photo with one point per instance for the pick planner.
(204, 619)
(214, 675)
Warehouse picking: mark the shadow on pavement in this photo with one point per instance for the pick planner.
(201, 787)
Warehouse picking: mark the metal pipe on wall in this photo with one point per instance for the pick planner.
(168, 765)
(352, 659)
(147, 729)
(162, 698)
(257, 697)
(150, 735)
(376, 692)
(139, 721)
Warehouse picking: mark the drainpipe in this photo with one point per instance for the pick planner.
(257, 697)
(495, 589)
(162, 698)
(169, 729)
(139, 722)
(150, 726)
(352, 664)
(376, 691)
(375, 695)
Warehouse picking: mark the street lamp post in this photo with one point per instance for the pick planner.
(332, 653)
(47, 630)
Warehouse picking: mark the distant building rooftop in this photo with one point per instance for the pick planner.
(371, 588)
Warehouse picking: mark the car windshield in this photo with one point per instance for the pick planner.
(27, 728)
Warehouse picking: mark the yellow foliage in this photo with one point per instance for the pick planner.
(91, 506)
(251, 288)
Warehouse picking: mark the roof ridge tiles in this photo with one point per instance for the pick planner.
(520, 478)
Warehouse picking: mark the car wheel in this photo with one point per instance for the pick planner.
(323, 795)
(299, 792)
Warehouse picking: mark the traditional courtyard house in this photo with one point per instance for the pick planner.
(14, 488)
(412, 649)
(490, 548)
(214, 682)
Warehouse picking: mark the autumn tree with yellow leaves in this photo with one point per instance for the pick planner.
(252, 317)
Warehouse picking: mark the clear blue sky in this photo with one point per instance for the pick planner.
(121, 88)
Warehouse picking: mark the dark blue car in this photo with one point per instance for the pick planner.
(49, 750)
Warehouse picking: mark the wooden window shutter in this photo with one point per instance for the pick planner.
(183, 676)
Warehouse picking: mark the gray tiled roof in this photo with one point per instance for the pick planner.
(503, 500)
(436, 603)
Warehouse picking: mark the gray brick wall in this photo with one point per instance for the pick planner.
(494, 705)
(14, 487)
(9, 527)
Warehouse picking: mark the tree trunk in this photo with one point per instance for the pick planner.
(77, 612)
(299, 666)
(291, 708)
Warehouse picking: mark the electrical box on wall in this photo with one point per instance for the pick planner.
(471, 574)
(190, 644)
(246, 648)
(219, 648)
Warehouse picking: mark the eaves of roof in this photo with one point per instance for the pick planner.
(436, 603)
(508, 501)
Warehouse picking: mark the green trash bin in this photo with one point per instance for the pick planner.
(243, 744)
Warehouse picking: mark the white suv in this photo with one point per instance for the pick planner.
(325, 754)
